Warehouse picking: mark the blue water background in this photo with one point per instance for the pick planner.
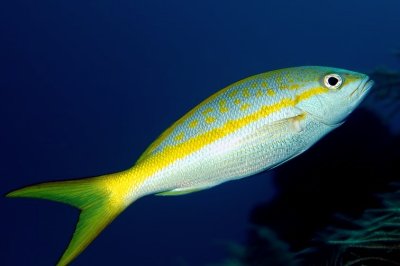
(86, 86)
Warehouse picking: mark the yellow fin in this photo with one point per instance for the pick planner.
(98, 206)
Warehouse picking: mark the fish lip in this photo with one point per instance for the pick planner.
(362, 90)
(367, 86)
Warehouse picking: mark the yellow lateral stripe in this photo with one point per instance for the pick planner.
(169, 130)
(173, 153)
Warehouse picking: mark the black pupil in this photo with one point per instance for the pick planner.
(333, 81)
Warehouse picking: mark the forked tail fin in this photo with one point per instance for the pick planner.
(98, 201)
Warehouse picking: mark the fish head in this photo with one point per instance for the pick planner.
(329, 95)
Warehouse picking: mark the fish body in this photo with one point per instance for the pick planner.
(250, 126)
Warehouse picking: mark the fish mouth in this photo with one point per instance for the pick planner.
(363, 89)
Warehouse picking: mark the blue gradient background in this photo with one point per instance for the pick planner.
(85, 86)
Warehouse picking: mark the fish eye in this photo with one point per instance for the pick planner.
(333, 81)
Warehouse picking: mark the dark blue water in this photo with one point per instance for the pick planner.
(85, 86)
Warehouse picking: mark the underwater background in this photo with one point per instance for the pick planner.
(86, 86)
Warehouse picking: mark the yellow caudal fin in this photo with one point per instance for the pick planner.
(93, 196)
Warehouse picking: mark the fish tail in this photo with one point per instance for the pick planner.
(100, 200)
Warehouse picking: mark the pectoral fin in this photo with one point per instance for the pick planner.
(277, 128)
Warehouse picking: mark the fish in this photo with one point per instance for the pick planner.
(253, 125)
